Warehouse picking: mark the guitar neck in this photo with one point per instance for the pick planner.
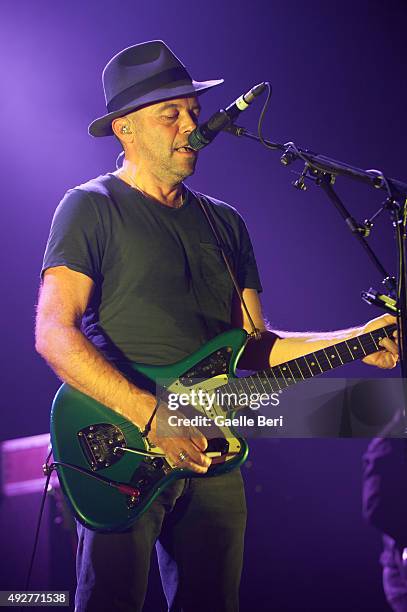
(313, 364)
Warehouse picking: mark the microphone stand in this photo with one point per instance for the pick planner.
(323, 171)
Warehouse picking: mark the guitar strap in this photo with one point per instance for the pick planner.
(255, 333)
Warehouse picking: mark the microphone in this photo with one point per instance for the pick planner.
(203, 135)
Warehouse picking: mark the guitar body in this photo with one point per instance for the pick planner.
(90, 438)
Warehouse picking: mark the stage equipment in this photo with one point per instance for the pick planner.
(323, 171)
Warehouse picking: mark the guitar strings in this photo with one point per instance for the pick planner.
(370, 344)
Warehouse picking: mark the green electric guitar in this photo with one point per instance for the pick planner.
(109, 472)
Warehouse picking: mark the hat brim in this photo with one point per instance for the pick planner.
(103, 125)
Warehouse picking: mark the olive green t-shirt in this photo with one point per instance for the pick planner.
(161, 286)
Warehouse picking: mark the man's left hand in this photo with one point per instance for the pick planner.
(389, 356)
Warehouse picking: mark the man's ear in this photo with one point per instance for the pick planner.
(122, 129)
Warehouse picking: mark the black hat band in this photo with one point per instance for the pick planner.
(128, 95)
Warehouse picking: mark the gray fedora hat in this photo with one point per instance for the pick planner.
(142, 74)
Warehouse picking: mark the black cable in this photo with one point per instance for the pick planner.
(261, 117)
(27, 582)
(147, 428)
(274, 146)
(122, 487)
(401, 288)
(118, 160)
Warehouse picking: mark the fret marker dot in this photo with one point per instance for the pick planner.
(284, 369)
(355, 348)
(312, 363)
(332, 356)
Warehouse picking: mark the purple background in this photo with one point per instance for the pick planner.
(339, 88)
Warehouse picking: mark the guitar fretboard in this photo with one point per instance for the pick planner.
(283, 375)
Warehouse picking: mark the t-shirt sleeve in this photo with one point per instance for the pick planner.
(76, 237)
(247, 271)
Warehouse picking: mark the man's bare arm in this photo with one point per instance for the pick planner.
(278, 347)
(63, 299)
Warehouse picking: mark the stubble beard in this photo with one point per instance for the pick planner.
(165, 166)
(176, 169)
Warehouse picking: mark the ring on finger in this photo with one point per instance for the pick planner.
(182, 456)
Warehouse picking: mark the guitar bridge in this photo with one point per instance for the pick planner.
(98, 443)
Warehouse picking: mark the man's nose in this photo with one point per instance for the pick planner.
(189, 121)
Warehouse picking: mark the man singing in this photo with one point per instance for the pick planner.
(132, 272)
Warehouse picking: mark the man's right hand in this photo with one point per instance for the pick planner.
(183, 446)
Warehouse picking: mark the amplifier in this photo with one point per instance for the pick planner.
(22, 486)
(21, 465)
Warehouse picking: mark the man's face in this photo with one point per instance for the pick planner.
(161, 131)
